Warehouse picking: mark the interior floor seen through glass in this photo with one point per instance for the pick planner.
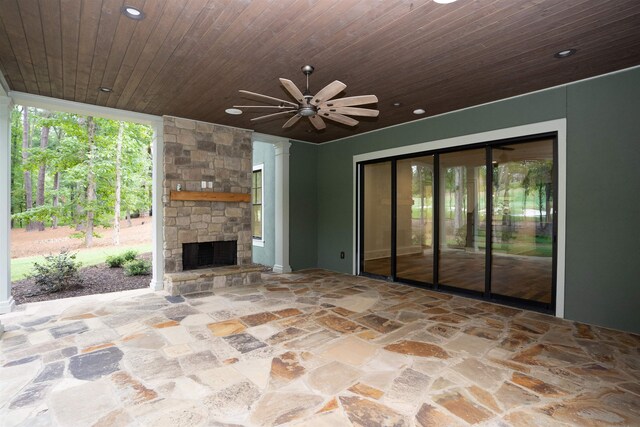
(522, 243)
(463, 219)
(414, 219)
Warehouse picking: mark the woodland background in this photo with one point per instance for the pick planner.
(79, 171)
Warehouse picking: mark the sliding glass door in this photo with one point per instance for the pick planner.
(414, 219)
(463, 219)
(376, 225)
(523, 221)
(478, 220)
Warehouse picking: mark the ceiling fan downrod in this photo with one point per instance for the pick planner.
(307, 110)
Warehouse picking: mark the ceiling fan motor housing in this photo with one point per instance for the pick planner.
(307, 111)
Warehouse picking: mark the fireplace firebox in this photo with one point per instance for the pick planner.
(209, 254)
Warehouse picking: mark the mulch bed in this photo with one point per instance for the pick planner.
(97, 279)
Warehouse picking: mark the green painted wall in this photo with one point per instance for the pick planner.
(303, 205)
(603, 184)
(335, 160)
(264, 154)
(603, 201)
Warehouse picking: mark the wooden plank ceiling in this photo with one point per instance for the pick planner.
(189, 58)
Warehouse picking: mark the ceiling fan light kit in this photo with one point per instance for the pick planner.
(314, 107)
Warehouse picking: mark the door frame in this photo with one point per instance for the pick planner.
(558, 126)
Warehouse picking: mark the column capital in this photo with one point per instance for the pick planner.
(282, 147)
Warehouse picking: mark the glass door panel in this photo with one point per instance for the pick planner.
(376, 258)
(462, 210)
(414, 219)
(523, 221)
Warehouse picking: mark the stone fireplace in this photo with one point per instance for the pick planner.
(218, 158)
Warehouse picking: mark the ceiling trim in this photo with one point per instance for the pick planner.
(269, 139)
(4, 86)
(55, 104)
(480, 105)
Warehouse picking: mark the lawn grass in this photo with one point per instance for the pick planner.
(20, 267)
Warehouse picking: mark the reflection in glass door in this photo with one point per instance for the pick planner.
(463, 219)
(490, 211)
(523, 221)
(414, 219)
(376, 257)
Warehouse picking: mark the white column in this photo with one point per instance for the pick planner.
(157, 280)
(6, 301)
(282, 207)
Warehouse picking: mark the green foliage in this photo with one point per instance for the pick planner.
(82, 234)
(137, 267)
(119, 260)
(68, 155)
(57, 273)
(38, 213)
(129, 255)
(114, 261)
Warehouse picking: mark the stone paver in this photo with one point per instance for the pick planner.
(311, 348)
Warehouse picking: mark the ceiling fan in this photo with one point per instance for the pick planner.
(315, 107)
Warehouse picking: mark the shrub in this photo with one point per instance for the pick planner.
(129, 255)
(57, 273)
(114, 261)
(137, 267)
(119, 260)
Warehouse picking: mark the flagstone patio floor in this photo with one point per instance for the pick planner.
(313, 348)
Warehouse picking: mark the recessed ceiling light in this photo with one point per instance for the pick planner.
(444, 1)
(397, 104)
(132, 12)
(419, 111)
(233, 111)
(105, 89)
(565, 53)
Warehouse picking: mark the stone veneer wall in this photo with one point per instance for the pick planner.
(197, 151)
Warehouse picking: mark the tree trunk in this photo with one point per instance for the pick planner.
(458, 221)
(91, 183)
(28, 190)
(44, 141)
(56, 189)
(128, 218)
(79, 211)
(116, 209)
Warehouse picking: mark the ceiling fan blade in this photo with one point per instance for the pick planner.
(328, 92)
(351, 111)
(293, 90)
(269, 98)
(317, 122)
(280, 107)
(292, 121)
(339, 118)
(272, 115)
(351, 100)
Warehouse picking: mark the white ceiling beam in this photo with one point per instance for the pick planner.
(55, 104)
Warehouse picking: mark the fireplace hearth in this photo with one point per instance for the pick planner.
(209, 254)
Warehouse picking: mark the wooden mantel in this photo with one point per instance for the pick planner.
(209, 196)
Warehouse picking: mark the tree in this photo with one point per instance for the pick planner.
(91, 182)
(28, 190)
(56, 189)
(76, 162)
(539, 177)
(116, 209)
(44, 141)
